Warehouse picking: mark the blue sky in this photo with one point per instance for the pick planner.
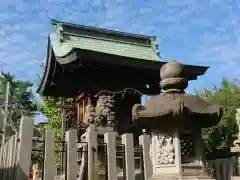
(205, 32)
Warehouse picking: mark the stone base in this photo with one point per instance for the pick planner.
(59, 177)
(235, 178)
(235, 149)
(100, 129)
(180, 177)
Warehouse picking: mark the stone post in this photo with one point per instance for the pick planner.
(127, 140)
(49, 158)
(71, 139)
(36, 172)
(199, 149)
(144, 141)
(177, 145)
(91, 139)
(110, 140)
(24, 148)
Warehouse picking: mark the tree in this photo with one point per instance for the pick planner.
(218, 139)
(21, 100)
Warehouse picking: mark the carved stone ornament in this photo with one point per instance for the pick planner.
(102, 114)
(90, 115)
(71, 117)
(101, 170)
(105, 109)
(162, 149)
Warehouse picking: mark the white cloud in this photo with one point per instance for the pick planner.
(195, 32)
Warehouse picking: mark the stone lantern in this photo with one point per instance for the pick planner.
(174, 120)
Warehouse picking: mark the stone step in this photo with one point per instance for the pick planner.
(183, 176)
(59, 177)
(180, 177)
(192, 170)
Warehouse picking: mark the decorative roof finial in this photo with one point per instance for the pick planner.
(172, 77)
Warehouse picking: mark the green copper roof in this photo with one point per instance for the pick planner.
(70, 37)
(71, 42)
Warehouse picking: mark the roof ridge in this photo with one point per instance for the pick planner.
(112, 40)
(55, 22)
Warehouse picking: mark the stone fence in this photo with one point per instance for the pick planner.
(99, 156)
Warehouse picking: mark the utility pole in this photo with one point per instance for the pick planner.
(5, 118)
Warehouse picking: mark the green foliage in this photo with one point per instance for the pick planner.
(54, 115)
(21, 97)
(218, 140)
(21, 100)
(38, 132)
